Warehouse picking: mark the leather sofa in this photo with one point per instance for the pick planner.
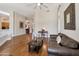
(71, 48)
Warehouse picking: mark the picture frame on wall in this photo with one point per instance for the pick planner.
(5, 25)
(69, 17)
(21, 24)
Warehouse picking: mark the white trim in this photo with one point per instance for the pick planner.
(9, 38)
(2, 42)
(17, 35)
(4, 39)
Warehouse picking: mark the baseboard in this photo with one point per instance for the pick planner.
(2, 42)
(18, 35)
(9, 38)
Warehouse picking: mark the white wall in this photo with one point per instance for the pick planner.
(47, 20)
(16, 25)
(71, 33)
(10, 12)
(14, 22)
(7, 33)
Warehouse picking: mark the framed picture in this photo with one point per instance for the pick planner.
(4, 22)
(5, 25)
(69, 17)
(21, 24)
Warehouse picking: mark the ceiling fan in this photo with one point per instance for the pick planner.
(41, 6)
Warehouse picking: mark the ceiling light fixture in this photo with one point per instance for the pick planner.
(42, 6)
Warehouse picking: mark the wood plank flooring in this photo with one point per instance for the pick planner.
(18, 46)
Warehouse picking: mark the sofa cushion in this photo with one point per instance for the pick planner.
(68, 42)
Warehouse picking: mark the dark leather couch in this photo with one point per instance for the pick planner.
(65, 49)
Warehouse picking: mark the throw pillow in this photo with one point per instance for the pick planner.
(58, 39)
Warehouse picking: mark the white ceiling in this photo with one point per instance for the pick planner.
(25, 9)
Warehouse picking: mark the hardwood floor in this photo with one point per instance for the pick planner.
(18, 46)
